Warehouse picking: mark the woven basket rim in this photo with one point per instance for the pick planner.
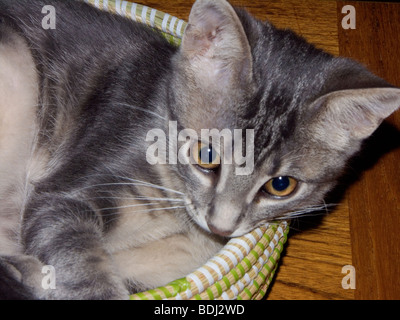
(252, 260)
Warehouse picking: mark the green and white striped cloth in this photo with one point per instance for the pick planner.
(171, 26)
(246, 265)
(242, 270)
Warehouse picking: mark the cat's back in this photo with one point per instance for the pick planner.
(49, 70)
(63, 62)
(75, 29)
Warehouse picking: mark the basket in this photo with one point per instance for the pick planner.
(246, 265)
(242, 270)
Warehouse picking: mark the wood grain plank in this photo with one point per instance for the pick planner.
(309, 18)
(312, 265)
(374, 200)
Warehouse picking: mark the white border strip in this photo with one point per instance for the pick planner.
(153, 17)
(223, 263)
(197, 281)
(242, 243)
(236, 250)
(207, 274)
(231, 256)
(164, 23)
(215, 267)
(144, 14)
(133, 11)
(179, 32)
(172, 25)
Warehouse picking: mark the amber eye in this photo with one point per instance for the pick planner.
(205, 156)
(281, 186)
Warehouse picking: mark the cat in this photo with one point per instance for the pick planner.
(77, 102)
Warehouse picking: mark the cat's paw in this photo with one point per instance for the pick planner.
(19, 277)
(25, 277)
(88, 284)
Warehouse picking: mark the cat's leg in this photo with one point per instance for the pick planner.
(66, 234)
(20, 277)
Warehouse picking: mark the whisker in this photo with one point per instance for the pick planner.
(139, 198)
(141, 211)
(128, 206)
(310, 211)
(136, 181)
(308, 214)
(144, 184)
(152, 184)
(140, 109)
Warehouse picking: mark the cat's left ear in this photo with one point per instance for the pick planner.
(353, 115)
(215, 47)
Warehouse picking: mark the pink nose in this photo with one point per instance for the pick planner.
(224, 233)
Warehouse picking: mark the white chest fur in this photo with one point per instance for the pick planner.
(151, 250)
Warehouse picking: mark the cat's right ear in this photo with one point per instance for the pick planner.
(215, 48)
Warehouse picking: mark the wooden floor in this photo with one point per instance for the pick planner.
(363, 231)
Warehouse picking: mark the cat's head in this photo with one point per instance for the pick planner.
(307, 110)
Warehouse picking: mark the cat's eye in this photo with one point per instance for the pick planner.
(205, 156)
(281, 186)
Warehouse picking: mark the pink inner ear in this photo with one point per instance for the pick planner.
(215, 48)
(196, 43)
(202, 31)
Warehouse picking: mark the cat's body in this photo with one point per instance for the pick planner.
(77, 102)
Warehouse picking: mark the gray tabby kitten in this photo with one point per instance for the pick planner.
(77, 102)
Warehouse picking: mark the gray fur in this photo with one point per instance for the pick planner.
(85, 200)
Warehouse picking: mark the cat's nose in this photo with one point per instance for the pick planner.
(224, 233)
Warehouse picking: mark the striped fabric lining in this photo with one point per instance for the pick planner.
(242, 270)
(172, 27)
